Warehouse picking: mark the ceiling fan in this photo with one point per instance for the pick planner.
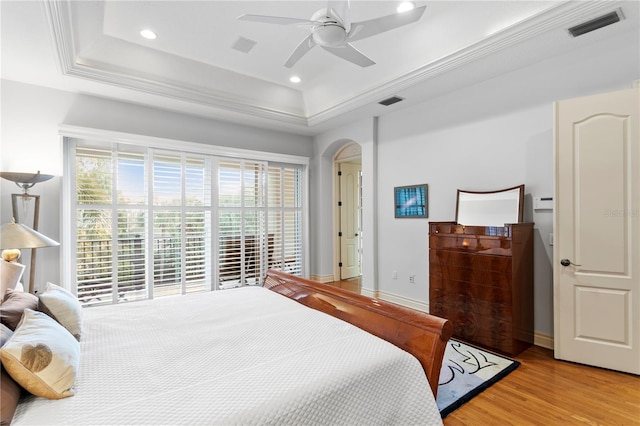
(332, 29)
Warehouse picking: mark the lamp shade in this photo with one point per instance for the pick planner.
(17, 236)
(25, 180)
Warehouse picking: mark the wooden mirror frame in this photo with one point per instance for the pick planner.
(488, 196)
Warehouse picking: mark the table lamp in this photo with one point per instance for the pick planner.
(26, 181)
(18, 236)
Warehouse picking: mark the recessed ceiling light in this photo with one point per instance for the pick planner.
(148, 34)
(405, 6)
(295, 79)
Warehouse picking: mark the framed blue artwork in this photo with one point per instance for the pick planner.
(411, 201)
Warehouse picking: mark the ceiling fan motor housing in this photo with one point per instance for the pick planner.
(330, 35)
(331, 32)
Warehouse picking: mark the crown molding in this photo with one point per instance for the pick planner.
(181, 92)
(67, 56)
(59, 21)
(61, 27)
(559, 17)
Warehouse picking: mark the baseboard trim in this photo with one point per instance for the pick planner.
(543, 340)
(403, 301)
(369, 293)
(322, 278)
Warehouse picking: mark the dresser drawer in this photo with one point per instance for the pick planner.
(472, 244)
(449, 228)
(488, 304)
(492, 277)
(450, 288)
(484, 331)
(455, 259)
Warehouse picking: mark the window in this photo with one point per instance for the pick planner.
(285, 218)
(149, 222)
(242, 238)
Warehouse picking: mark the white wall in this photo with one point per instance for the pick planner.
(494, 134)
(492, 153)
(30, 119)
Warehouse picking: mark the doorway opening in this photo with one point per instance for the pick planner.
(348, 212)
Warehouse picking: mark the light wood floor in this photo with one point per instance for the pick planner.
(544, 391)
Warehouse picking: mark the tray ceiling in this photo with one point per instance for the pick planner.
(206, 62)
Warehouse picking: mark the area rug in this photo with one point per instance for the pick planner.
(467, 371)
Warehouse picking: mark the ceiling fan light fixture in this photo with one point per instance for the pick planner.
(330, 35)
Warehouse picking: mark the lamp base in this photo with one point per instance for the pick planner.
(10, 274)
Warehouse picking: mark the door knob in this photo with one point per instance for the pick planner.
(567, 262)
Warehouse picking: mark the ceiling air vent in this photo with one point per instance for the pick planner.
(243, 44)
(390, 101)
(594, 24)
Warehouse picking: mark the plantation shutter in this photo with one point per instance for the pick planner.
(110, 225)
(241, 222)
(94, 252)
(285, 218)
(152, 222)
(131, 225)
(181, 223)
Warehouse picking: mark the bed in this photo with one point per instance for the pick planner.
(251, 356)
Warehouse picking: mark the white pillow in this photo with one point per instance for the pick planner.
(42, 356)
(63, 307)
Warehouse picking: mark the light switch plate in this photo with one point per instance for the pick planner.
(543, 203)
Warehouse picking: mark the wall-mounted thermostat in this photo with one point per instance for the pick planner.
(543, 203)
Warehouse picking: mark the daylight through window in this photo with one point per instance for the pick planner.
(151, 222)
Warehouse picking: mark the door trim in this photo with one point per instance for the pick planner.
(350, 152)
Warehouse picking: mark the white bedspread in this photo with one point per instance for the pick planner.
(235, 357)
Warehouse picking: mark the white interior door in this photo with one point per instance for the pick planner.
(349, 220)
(597, 231)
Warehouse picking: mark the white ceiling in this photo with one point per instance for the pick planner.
(94, 47)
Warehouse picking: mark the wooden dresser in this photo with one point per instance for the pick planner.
(481, 279)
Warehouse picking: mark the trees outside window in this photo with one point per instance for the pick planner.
(152, 222)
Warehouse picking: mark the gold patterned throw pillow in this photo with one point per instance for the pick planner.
(42, 356)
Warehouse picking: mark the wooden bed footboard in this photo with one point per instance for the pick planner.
(422, 335)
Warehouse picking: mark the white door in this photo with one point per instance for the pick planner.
(597, 231)
(349, 220)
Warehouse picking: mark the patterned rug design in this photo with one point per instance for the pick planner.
(467, 371)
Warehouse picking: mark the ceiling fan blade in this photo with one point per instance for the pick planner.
(342, 9)
(279, 20)
(364, 29)
(302, 49)
(351, 54)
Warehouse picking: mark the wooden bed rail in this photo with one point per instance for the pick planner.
(422, 335)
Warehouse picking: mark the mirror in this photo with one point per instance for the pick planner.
(492, 208)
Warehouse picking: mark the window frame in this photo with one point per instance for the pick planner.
(73, 134)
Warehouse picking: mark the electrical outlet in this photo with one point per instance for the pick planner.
(412, 279)
(394, 275)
